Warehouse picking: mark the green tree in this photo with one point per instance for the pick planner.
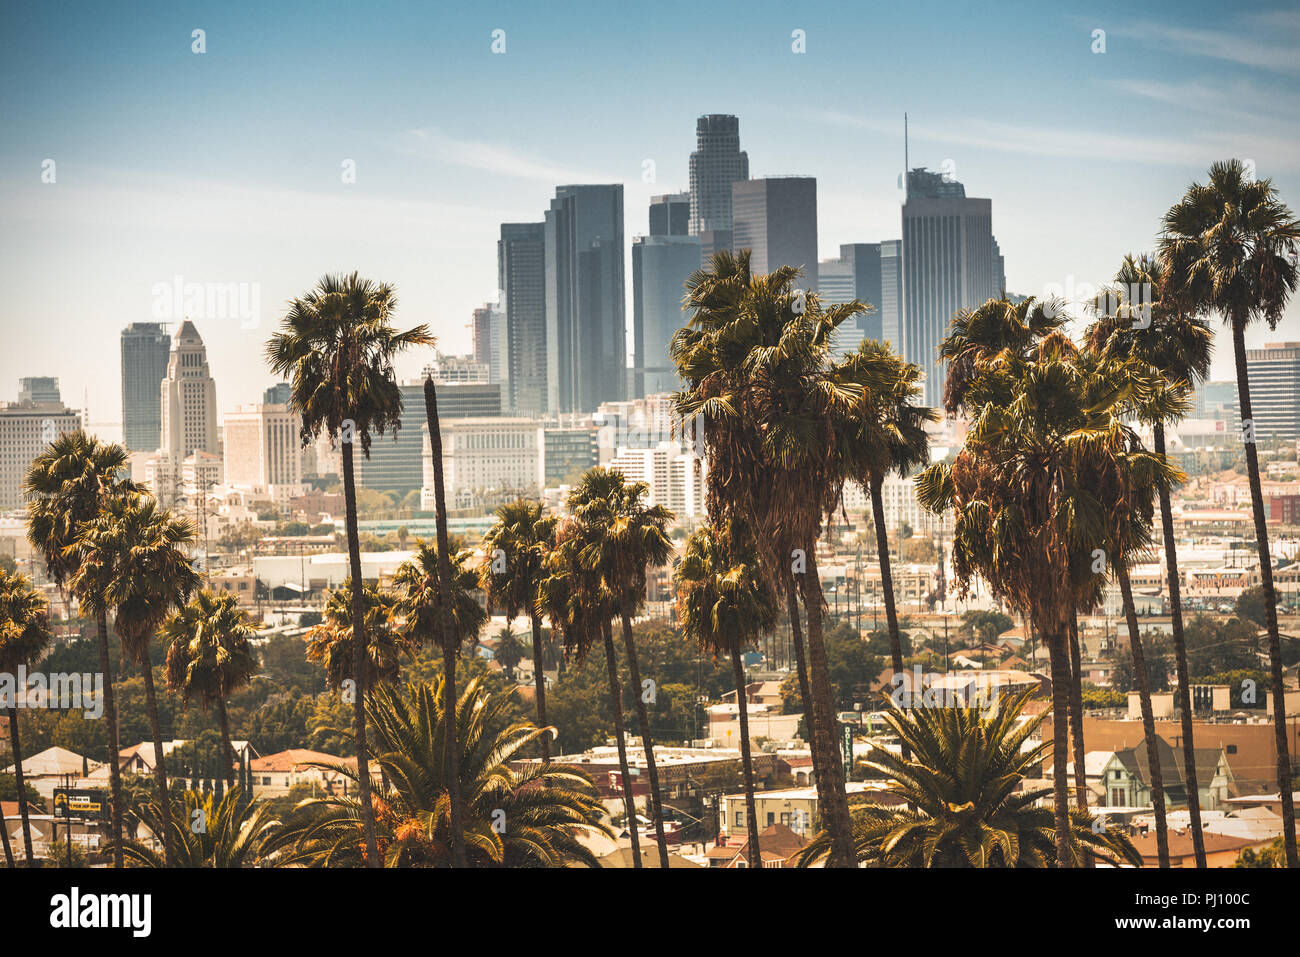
(67, 485)
(515, 550)
(515, 817)
(1230, 247)
(426, 603)
(336, 348)
(755, 362)
(24, 636)
(1135, 320)
(884, 434)
(135, 548)
(209, 657)
(725, 604)
(964, 805)
(208, 830)
(622, 536)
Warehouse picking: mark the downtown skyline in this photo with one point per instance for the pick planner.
(175, 167)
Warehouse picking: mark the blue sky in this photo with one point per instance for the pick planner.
(226, 166)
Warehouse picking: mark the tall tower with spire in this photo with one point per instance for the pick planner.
(189, 397)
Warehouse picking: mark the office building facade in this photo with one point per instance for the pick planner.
(718, 161)
(1275, 390)
(521, 275)
(776, 219)
(586, 347)
(189, 398)
(948, 265)
(146, 350)
(660, 267)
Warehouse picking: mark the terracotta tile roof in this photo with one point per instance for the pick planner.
(295, 758)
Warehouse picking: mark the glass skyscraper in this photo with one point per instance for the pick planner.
(146, 349)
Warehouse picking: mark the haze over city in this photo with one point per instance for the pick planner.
(225, 167)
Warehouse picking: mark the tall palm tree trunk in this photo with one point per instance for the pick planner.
(1058, 655)
(110, 730)
(746, 759)
(647, 743)
(455, 793)
(800, 661)
(4, 838)
(1076, 716)
(359, 664)
(1270, 600)
(1180, 660)
(887, 586)
(539, 682)
(616, 705)
(16, 747)
(227, 751)
(1148, 720)
(829, 769)
(159, 765)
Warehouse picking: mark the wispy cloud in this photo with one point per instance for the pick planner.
(1272, 48)
(1084, 142)
(491, 158)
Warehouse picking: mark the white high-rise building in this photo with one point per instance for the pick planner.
(261, 446)
(485, 461)
(25, 429)
(189, 398)
(675, 478)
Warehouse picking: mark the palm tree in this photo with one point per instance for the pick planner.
(964, 806)
(755, 363)
(884, 433)
(445, 630)
(1154, 331)
(67, 485)
(1230, 247)
(578, 601)
(425, 604)
(515, 550)
(337, 348)
(1128, 493)
(623, 537)
(530, 816)
(330, 643)
(208, 830)
(24, 636)
(724, 604)
(135, 547)
(1047, 429)
(210, 657)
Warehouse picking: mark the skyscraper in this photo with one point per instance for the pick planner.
(865, 260)
(999, 270)
(948, 264)
(490, 338)
(189, 398)
(261, 447)
(670, 214)
(891, 292)
(146, 348)
(394, 462)
(26, 427)
(718, 161)
(1275, 390)
(776, 218)
(39, 389)
(278, 394)
(521, 275)
(586, 349)
(660, 267)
